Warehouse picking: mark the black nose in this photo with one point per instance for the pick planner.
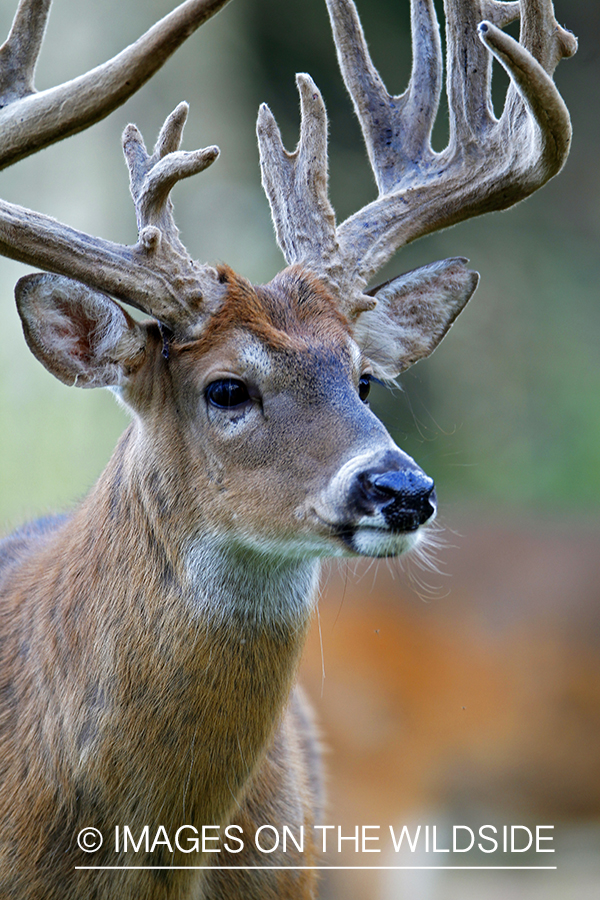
(405, 497)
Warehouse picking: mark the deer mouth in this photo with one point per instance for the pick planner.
(377, 541)
(373, 538)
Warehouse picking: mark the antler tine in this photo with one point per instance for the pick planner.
(19, 53)
(544, 154)
(469, 76)
(296, 185)
(397, 130)
(153, 177)
(469, 63)
(30, 120)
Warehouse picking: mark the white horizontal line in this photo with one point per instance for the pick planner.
(345, 868)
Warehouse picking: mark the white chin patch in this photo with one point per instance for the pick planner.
(377, 542)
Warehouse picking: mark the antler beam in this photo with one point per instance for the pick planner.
(30, 120)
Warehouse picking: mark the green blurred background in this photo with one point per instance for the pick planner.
(507, 411)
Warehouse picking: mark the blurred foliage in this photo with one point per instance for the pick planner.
(507, 411)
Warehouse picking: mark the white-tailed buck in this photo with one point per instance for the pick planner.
(150, 637)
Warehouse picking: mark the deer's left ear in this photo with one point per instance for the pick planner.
(413, 313)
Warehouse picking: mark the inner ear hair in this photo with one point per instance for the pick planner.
(412, 314)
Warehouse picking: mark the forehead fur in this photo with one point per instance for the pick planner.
(291, 312)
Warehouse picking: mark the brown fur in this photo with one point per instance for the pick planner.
(285, 314)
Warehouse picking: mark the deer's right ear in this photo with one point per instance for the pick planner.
(80, 335)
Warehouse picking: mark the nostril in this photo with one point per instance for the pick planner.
(429, 505)
(376, 487)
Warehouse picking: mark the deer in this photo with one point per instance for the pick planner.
(150, 637)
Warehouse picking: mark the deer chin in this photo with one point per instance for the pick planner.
(377, 542)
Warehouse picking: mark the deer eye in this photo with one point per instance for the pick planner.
(227, 393)
(364, 386)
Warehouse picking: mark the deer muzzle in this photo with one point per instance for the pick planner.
(377, 503)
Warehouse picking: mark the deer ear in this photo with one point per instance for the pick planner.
(81, 336)
(413, 313)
